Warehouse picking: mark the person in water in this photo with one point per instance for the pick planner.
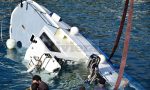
(41, 85)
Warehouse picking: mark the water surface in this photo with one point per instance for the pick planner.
(98, 21)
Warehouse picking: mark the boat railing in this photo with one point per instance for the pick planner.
(39, 60)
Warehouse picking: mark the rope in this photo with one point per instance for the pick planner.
(126, 45)
(94, 76)
(120, 29)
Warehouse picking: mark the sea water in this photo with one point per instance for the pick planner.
(98, 21)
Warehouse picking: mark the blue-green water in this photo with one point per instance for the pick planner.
(98, 21)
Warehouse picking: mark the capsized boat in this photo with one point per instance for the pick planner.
(50, 41)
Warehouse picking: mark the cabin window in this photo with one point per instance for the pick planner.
(49, 44)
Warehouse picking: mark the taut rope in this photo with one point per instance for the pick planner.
(126, 45)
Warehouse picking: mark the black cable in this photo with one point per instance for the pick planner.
(120, 29)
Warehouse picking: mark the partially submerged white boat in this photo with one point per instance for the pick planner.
(50, 41)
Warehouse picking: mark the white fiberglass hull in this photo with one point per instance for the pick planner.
(32, 24)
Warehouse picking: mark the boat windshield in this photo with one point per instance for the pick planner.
(49, 44)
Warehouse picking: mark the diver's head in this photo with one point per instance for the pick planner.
(36, 79)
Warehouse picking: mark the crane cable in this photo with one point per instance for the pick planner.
(120, 29)
(126, 45)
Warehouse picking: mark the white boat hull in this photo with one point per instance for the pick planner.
(34, 20)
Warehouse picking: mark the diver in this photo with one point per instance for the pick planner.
(42, 85)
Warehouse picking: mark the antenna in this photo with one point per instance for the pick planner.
(21, 4)
(2, 31)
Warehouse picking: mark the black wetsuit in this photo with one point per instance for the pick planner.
(43, 86)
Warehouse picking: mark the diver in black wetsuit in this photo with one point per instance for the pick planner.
(42, 85)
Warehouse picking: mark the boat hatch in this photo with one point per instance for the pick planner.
(49, 44)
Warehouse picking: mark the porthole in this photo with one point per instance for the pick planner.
(19, 44)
